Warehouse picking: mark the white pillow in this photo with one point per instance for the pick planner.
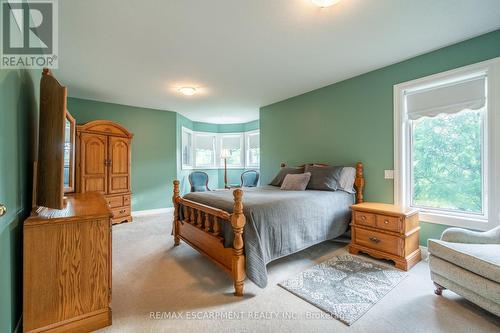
(346, 180)
(296, 182)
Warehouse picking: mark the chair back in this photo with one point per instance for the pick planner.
(198, 181)
(249, 178)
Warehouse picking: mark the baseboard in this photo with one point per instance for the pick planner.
(148, 212)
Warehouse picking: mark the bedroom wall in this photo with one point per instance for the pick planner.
(18, 122)
(153, 147)
(352, 120)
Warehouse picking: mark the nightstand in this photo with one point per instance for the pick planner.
(387, 232)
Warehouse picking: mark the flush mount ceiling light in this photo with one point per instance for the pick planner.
(187, 91)
(325, 3)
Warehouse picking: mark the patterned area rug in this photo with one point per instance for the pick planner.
(346, 286)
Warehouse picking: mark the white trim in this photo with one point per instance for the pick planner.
(148, 212)
(491, 68)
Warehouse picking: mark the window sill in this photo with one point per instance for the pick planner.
(475, 223)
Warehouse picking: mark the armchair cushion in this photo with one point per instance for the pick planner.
(457, 235)
(482, 259)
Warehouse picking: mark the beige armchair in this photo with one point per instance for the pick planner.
(468, 263)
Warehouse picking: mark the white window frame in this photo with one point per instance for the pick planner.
(247, 149)
(183, 165)
(491, 167)
(241, 136)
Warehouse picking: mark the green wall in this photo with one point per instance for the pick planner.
(18, 135)
(153, 147)
(352, 120)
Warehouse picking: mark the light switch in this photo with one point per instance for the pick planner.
(389, 174)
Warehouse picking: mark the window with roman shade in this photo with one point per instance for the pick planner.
(253, 149)
(204, 149)
(445, 146)
(232, 149)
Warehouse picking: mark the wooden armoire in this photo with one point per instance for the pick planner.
(103, 154)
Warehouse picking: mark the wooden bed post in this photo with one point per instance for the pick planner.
(359, 182)
(175, 227)
(238, 223)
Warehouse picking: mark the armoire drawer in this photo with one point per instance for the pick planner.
(114, 202)
(118, 200)
(120, 212)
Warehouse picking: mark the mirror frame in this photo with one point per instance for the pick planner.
(71, 179)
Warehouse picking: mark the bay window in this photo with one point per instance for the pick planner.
(205, 150)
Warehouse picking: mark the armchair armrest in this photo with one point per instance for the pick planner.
(457, 235)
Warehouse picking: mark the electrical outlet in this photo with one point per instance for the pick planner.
(389, 174)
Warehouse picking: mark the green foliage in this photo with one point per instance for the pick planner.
(446, 158)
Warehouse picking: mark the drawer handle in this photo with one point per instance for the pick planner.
(386, 221)
(363, 217)
(374, 239)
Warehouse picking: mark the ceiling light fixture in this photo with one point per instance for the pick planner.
(325, 3)
(187, 91)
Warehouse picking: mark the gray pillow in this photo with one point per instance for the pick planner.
(278, 180)
(296, 182)
(324, 178)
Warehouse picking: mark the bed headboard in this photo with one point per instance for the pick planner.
(359, 181)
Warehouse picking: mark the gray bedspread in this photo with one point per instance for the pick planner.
(279, 223)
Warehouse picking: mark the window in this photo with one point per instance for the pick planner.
(444, 146)
(204, 149)
(187, 148)
(232, 149)
(253, 149)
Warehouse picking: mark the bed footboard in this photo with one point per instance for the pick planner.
(200, 225)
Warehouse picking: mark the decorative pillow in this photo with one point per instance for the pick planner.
(324, 178)
(278, 180)
(296, 182)
(346, 180)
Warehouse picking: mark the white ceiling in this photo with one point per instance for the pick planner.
(244, 54)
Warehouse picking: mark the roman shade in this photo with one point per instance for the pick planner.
(231, 142)
(447, 99)
(206, 142)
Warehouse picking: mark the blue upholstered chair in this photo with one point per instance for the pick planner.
(198, 181)
(249, 178)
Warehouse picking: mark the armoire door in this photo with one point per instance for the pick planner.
(119, 165)
(94, 160)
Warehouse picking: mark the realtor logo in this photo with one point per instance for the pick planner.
(29, 34)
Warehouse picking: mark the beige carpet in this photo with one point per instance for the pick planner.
(150, 275)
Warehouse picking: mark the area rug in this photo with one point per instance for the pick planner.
(345, 287)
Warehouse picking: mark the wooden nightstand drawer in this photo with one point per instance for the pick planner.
(391, 223)
(364, 218)
(379, 241)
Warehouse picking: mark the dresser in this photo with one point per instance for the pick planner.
(103, 164)
(386, 231)
(67, 266)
